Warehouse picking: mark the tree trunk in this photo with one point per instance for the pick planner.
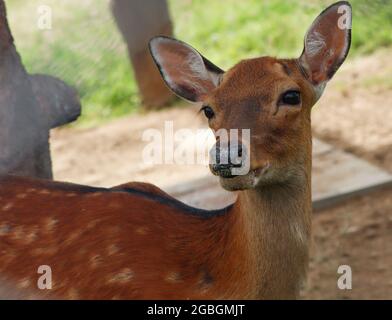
(138, 22)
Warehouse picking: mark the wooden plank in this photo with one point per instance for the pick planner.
(337, 176)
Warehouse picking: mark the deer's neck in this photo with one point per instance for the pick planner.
(276, 225)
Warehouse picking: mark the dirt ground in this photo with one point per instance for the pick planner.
(355, 114)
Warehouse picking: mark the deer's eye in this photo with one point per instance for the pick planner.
(209, 113)
(291, 97)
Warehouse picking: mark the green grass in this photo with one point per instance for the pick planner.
(85, 49)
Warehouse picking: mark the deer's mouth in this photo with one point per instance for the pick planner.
(242, 182)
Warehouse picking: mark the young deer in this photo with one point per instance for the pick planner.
(135, 241)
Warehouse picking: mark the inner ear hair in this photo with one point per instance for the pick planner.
(327, 43)
(186, 72)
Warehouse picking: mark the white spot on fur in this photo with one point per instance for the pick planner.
(31, 235)
(44, 251)
(112, 249)
(96, 260)
(50, 224)
(173, 277)
(7, 206)
(24, 283)
(205, 283)
(71, 194)
(73, 236)
(124, 276)
(142, 230)
(92, 224)
(94, 194)
(18, 233)
(44, 191)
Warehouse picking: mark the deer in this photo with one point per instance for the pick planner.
(134, 241)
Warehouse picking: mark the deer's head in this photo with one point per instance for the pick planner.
(270, 97)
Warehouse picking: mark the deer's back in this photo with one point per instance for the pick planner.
(132, 241)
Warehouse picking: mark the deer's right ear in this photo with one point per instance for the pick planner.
(185, 71)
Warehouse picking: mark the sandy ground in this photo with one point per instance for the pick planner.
(357, 233)
(354, 114)
(356, 111)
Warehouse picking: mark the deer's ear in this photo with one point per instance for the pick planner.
(327, 43)
(185, 71)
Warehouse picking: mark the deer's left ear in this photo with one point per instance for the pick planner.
(327, 43)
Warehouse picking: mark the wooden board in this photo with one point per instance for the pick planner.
(337, 175)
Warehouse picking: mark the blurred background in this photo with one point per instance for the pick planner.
(353, 119)
(85, 49)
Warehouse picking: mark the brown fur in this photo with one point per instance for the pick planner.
(90, 239)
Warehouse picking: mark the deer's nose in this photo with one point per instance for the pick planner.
(224, 158)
